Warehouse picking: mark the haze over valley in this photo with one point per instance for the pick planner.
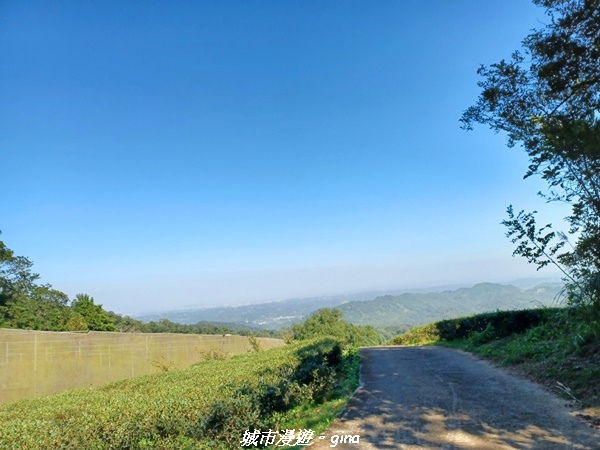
(400, 309)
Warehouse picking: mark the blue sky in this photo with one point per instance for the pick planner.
(166, 154)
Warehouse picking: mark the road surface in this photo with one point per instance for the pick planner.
(437, 398)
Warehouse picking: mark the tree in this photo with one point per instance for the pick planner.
(27, 305)
(125, 324)
(328, 322)
(44, 309)
(546, 98)
(24, 303)
(16, 278)
(94, 316)
(17, 287)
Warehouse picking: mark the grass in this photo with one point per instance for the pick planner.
(574, 374)
(560, 352)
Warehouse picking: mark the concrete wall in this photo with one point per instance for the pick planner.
(36, 363)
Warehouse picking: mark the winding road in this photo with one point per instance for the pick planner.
(438, 398)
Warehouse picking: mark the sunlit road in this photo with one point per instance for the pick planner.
(437, 398)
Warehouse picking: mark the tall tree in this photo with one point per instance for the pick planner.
(17, 285)
(94, 316)
(44, 309)
(28, 305)
(16, 278)
(546, 98)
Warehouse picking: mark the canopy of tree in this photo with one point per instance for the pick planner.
(546, 98)
(25, 304)
(328, 323)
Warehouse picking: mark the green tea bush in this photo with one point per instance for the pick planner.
(252, 405)
(425, 334)
(208, 405)
(493, 325)
(479, 328)
(221, 424)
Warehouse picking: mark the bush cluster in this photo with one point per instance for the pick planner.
(480, 327)
(328, 322)
(494, 324)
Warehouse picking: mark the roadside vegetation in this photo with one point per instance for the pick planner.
(318, 416)
(328, 322)
(545, 99)
(555, 347)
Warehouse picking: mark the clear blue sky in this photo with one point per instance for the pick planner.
(165, 154)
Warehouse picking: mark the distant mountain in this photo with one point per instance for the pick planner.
(266, 315)
(413, 309)
(397, 309)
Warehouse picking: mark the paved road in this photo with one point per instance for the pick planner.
(436, 398)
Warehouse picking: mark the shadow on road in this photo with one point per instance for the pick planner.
(436, 398)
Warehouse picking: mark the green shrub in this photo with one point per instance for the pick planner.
(221, 424)
(494, 324)
(487, 335)
(328, 323)
(479, 328)
(418, 336)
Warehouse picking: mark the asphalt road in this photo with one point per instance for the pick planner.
(438, 398)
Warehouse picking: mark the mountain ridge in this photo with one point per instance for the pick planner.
(398, 307)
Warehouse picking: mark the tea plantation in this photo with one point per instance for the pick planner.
(207, 405)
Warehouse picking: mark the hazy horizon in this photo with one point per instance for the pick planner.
(162, 155)
(522, 283)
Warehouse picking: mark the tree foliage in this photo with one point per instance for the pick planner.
(16, 278)
(329, 323)
(94, 316)
(546, 98)
(25, 304)
(28, 305)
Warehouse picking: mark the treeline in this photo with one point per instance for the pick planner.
(27, 304)
(126, 324)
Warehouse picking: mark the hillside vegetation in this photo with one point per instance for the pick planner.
(265, 315)
(412, 309)
(553, 346)
(398, 312)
